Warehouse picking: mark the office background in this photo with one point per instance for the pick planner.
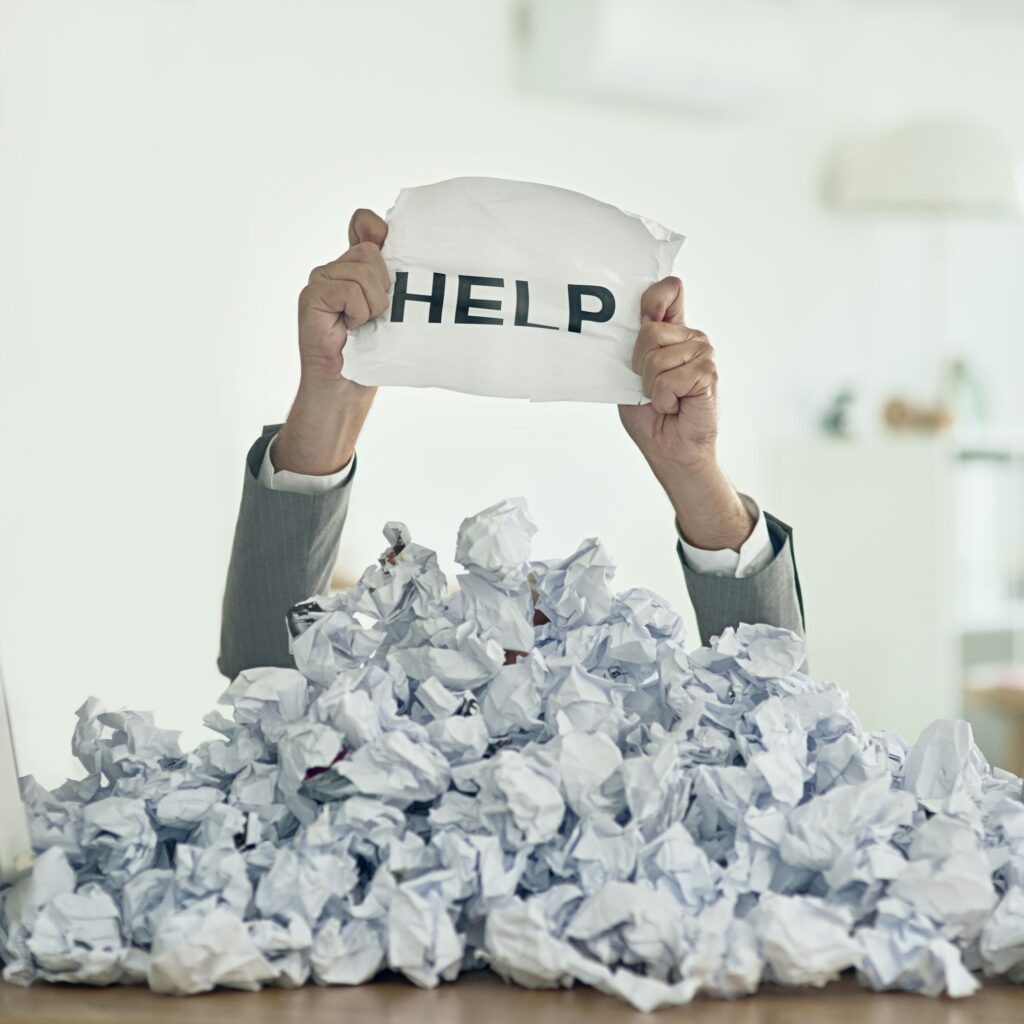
(172, 169)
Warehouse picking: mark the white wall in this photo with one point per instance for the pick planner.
(171, 170)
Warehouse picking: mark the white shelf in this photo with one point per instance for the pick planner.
(907, 568)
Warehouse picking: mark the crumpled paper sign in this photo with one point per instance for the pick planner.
(514, 290)
(531, 774)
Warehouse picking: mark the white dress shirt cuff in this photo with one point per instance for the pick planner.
(755, 553)
(300, 483)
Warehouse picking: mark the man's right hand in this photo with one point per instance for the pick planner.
(320, 434)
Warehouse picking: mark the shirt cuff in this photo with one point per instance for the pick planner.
(755, 553)
(300, 483)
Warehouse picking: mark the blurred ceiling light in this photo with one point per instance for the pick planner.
(944, 168)
(731, 56)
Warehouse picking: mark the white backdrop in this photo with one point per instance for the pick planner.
(171, 170)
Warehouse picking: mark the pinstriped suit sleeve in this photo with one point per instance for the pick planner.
(771, 595)
(284, 551)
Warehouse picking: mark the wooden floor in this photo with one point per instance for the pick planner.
(482, 998)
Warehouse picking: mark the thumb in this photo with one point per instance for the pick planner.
(366, 226)
(663, 301)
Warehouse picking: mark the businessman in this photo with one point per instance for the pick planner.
(737, 561)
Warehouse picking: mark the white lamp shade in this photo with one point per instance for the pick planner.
(939, 168)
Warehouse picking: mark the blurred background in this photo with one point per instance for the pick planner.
(845, 173)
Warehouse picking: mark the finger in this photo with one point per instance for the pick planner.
(693, 380)
(669, 357)
(364, 274)
(654, 335)
(368, 253)
(663, 301)
(364, 254)
(366, 226)
(342, 298)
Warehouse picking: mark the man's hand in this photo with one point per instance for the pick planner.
(321, 431)
(678, 430)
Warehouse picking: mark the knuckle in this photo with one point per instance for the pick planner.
(701, 341)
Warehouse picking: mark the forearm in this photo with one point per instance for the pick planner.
(708, 509)
(284, 551)
(676, 432)
(771, 595)
(711, 515)
(286, 540)
(323, 426)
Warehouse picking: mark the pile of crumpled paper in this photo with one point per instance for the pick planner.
(530, 775)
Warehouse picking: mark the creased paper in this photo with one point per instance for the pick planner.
(531, 774)
(511, 289)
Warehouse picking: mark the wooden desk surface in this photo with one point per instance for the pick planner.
(482, 998)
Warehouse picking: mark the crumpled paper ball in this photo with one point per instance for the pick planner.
(531, 775)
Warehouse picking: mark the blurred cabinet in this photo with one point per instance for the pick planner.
(911, 555)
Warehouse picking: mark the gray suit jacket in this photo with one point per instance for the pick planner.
(286, 545)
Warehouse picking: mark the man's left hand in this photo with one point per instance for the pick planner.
(677, 431)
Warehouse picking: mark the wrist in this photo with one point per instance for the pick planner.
(699, 465)
(687, 482)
